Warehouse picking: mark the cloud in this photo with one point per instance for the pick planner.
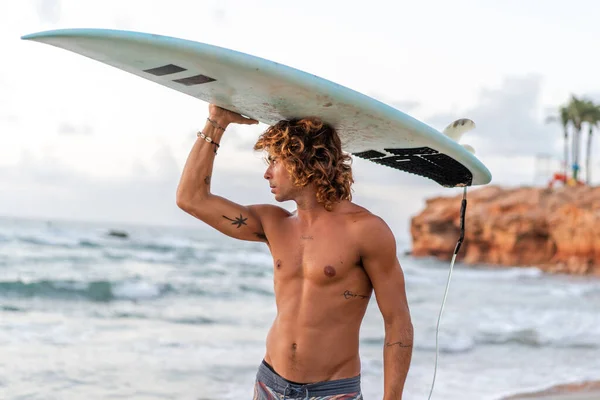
(162, 166)
(220, 13)
(67, 128)
(244, 139)
(43, 187)
(48, 10)
(509, 120)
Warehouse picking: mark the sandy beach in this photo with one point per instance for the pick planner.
(572, 391)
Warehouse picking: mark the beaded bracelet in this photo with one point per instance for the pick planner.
(201, 135)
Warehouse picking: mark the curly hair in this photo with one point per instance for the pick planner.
(312, 153)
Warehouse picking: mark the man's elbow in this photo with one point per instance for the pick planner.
(182, 199)
(188, 201)
(401, 324)
(182, 202)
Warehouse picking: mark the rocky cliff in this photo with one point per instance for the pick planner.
(557, 230)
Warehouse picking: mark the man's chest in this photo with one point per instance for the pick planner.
(318, 255)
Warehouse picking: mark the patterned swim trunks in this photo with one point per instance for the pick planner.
(271, 386)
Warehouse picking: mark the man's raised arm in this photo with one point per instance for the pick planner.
(193, 192)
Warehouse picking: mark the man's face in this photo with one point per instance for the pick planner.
(279, 179)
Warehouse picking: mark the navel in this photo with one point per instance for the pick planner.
(329, 271)
(278, 264)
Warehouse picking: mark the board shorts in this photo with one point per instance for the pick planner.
(269, 385)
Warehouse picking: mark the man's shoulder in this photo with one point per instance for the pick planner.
(270, 211)
(364, 221)
(371, 234)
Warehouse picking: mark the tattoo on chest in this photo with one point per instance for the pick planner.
(303, 237)
(237, 221)
(349, 295)
(399, 344)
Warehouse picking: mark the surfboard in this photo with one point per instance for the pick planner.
(269, 92)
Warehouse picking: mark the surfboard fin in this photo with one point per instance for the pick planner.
(458, 128)
(469, 148)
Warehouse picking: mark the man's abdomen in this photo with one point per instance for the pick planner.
(306, 353)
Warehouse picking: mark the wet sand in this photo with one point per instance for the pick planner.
(571, 391)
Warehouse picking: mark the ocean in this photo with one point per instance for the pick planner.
(182, 313)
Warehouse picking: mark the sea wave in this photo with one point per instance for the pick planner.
(74, 240)
(50, 241)
(90, 247)
(456, 345)
(10, 308)
(128, 315)
(532, 337)
(463, 343)
(101, 291)
(135, 289)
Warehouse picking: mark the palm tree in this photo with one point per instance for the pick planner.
(564, 119)
(591, 115)
(577, 110)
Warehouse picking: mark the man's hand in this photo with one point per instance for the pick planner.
(225, 117)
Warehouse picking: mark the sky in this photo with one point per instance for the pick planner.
(83, 141)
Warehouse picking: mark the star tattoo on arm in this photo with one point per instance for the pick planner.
(237, 221)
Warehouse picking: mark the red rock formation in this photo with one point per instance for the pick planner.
(556, 229)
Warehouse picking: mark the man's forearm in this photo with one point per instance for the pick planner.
(397, 353)
(195, 178)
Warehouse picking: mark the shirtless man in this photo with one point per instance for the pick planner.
(328, 257)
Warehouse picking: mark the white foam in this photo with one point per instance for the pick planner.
(448, 342)
(135, 290)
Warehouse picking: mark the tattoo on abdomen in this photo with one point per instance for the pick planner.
(399, 344)
(349, 295)
(237, 221)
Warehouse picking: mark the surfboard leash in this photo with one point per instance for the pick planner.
(463, 209)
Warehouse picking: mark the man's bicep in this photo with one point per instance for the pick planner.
(384, 270)
(232, 219)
